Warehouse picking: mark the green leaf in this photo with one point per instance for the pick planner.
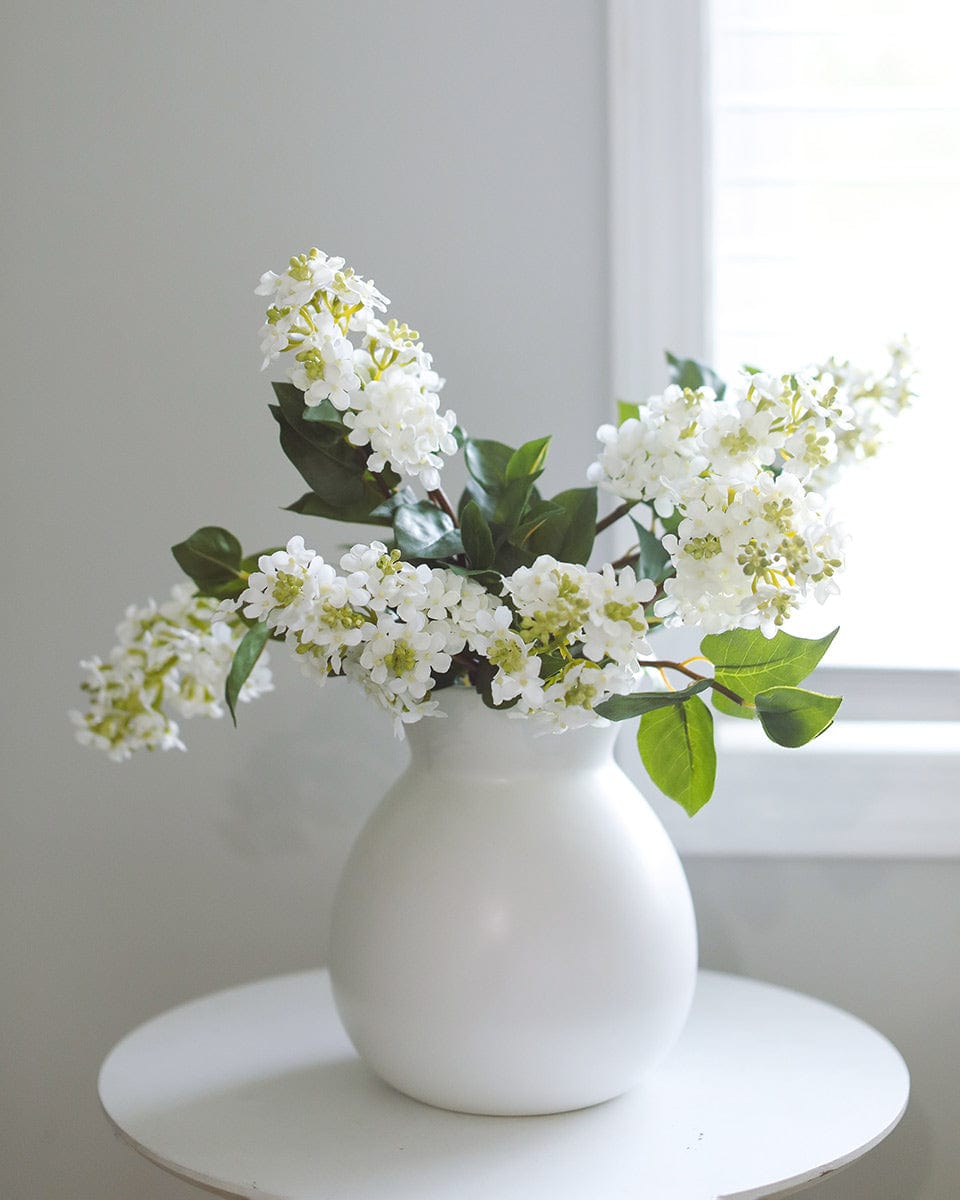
(534, 518)
(477, 538)
(676, 746)
(688, 373)
(212, 558)
(368, 510)
(527, 461)
(791, 716)
(487, 462)
(511, 505)
(332, 468)
(423, 531)
(654, 561)
(401, 497)
(510, 558)
(747, 662)
(446, 546)
(326, 452)
(626, 412)
(243, 663)
(569, 535)
(622, 708)
(324, 413)
(727, 706)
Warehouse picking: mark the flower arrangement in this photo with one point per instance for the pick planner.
(722, 485)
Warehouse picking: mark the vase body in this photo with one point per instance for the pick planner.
(513, 932)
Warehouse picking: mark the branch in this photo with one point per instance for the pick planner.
(626, 560)
(663, 664)
(439, 498)
(620, 511)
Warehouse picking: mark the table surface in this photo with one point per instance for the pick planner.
(256, 1092)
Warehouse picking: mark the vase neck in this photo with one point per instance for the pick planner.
(473, 737)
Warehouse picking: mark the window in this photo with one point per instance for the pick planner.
(784, 180)
(836, 184)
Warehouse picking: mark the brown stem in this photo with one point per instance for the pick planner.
(626, 560)
(439, 498)
(620, 511)
(662, 664)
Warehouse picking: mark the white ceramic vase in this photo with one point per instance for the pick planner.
(513, 933)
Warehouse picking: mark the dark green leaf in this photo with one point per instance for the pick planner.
(511, 505)
(423, 531)
(483, 500)
(510, 558)
(622, 708)
(477, 538)
(487, 462)
(688, 373)
(368, 510)
(386, 508)
(676, 746)
(528, 460)
(459, 436)
(243, 663)
(324, 413)
(747, 662)
(327, 437)
(446, 546)
(569, 534)
(534, 517)
(791, 716)
(332, 468)
(211, 557)
(654, 561)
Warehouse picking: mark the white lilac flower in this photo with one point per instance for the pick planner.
(551, 600)
(874, 398)
(388, 581)
(616, 626)
(173, 657)
(655, 456)
(474, 607)
(282, 591)
(568, 702)
(388, 344)
(403, 709)
(518, 667)
(325, 371)
(402, 424)
(295, 591)
(398, 663)
(357, 297)
(306, 275)
(747, 557)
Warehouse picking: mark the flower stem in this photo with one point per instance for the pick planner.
(664, 665)
(439, 498)
(620, 511)
(626, 560)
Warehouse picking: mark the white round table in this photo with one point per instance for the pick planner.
(256, 1092)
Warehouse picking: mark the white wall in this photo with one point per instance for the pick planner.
(161, 156)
